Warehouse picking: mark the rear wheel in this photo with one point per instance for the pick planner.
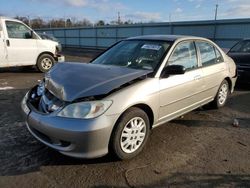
(130, 134)
(45, 62)
(221, 96)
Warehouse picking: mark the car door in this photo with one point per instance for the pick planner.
(181, 93)
(214, 69)
(2, 49)
(21, 46)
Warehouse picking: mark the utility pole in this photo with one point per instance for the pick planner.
(215, 19)
(216, 12)
(29, 23)
(170, 24)
(119, 19)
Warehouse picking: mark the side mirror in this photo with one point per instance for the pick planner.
(173, 70)
(29, 35)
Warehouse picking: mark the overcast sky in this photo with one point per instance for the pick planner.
(136, 10)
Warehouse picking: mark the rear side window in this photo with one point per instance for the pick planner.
(17, 30)
(219, 57)
(184, 54)
(208, 54)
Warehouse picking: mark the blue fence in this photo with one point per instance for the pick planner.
(224, 32)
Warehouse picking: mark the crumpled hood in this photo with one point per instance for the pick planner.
(71, 81)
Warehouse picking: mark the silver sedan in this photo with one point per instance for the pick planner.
(112, 103)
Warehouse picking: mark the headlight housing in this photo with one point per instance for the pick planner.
(85, 110)
(24, 104)
(40, 89)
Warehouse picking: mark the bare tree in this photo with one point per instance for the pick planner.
(23, 19)
(57, 23)
(37, 23)
(100, 23)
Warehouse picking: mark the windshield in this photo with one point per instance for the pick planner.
(137, 54)
(48, 37)
(242, 46)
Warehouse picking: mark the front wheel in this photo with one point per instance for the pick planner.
(221, 96)
(45, 62)
(130, 134)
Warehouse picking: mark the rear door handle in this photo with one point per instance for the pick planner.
(197, 77)
(8, 42)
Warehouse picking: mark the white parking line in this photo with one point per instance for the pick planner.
(6, 88)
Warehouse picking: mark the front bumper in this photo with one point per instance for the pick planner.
(73, 137)
(234, 79)
(60, 58)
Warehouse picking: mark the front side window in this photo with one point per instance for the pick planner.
(207, 52)
(137, 54)
(184, 54)
(17, 30)
(241, 47)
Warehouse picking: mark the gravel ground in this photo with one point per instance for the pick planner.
(201, 149)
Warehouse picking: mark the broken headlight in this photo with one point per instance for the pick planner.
(40, 89)
(85, 110)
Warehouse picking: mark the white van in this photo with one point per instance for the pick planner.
(21, 46)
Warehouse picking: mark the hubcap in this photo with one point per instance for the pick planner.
(223, 92)
(46, 63)
(133, 135)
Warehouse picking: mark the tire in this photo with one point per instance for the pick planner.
(45, 62)
(221, 96)
(126, 141)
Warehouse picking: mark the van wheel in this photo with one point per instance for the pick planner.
(45, 62)
(221, 96)
(130, 134)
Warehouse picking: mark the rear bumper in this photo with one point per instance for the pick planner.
(73, 137)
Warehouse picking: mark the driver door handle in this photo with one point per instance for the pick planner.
(197, 77)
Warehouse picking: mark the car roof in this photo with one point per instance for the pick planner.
(170, 38)
(9, 19)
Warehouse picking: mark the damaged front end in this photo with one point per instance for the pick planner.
(43, 101)
(81, 91)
